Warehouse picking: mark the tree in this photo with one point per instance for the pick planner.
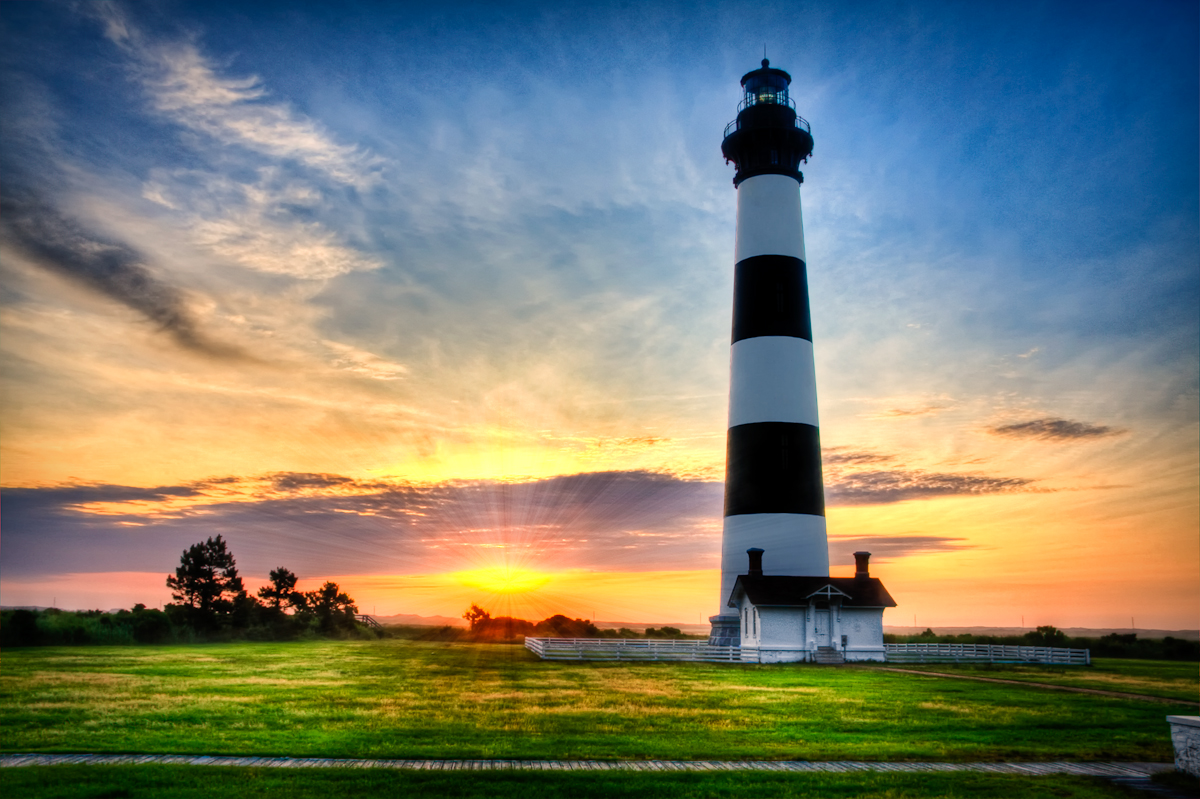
(559, 626)
(665, 632)
(282, 590)
(206, 582)
(477, 617)
(333, 608)
(1047, 635)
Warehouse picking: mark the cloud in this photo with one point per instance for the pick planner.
(839, 456)
(64, 498)
(1051, 429)
(253, 224)
(365, 363)
(304, 250)
(187, 88)
(267, 223)
(904, 407)
(110, 268)
(328, 523)
(892, 547)
(865, 477)
(899, 413)
(900, 485)
(322, 524)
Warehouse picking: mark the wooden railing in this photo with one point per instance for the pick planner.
(640, 649)
(363, 618)
(986, 653)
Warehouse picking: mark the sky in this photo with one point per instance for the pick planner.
(434, 300)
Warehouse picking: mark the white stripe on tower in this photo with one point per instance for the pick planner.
(774, 497)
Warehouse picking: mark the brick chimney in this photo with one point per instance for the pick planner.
(755, 562)
(860, 565)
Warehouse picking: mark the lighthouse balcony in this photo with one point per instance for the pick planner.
(774, 117)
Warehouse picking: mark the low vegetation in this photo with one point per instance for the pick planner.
(1113, 645)
(211, 604)
(506, 629)
(397, 698)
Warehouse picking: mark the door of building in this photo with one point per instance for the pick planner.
(821, 627)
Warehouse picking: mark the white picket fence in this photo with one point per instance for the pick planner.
(637, 649)
(643, 649)
(986, 653)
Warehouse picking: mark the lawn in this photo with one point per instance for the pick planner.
(1164, 678)
(184, 782)
(403, 699)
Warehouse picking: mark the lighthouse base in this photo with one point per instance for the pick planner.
(726, 630)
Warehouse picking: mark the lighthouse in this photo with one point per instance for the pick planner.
(774, 495)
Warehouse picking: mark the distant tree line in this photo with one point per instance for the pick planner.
(1113, 645)
(211, 604)
(485, 627)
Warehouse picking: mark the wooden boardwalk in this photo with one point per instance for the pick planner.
(1090, 769)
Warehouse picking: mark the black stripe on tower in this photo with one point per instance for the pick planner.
(773, 467)
(770, 298)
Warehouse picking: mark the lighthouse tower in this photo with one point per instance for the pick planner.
(774, 496)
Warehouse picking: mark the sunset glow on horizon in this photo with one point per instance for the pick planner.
(265, 275)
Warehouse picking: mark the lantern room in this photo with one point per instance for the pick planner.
(767, 137)
(766, 85)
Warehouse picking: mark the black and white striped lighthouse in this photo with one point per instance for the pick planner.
(774, 496)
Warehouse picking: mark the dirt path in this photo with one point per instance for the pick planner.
(1051, 686)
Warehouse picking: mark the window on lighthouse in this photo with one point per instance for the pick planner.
(769, 89)
(767, 95)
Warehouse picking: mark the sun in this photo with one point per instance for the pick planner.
(503, 579)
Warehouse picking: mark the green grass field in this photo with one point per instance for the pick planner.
(402, 699)
(1164, 678)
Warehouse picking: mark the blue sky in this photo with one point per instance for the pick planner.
(493, 243)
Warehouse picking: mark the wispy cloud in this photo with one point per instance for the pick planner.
(843, 456)
(881, 487)
(111, 268)
(275, 221)
(1052, 429)
(865, 477)
(891, 547)
(611, 519)
(911, 406)
(189, 89)
(305, 251)
(364, 363)
(254, 224)
(900, 413)
(322, 522)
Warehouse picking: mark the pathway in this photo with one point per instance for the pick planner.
(1090, 769)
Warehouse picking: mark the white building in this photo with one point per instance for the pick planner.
(811, 618)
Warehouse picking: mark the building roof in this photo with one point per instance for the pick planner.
(789, 591)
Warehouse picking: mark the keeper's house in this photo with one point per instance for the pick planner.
(821, 619)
